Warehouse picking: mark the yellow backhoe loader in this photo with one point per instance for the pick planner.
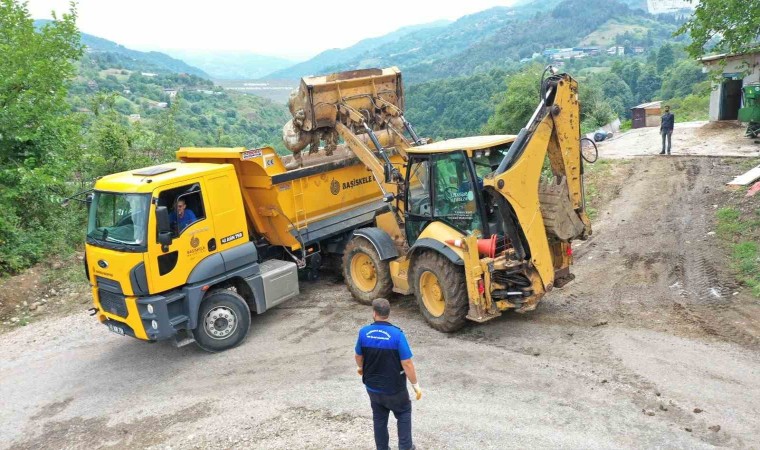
(476, 229)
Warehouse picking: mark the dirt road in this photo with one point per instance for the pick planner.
(689, 138)
(653, 345)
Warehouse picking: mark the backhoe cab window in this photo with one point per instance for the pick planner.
(455, 193)
(487, 160)
(119, 219)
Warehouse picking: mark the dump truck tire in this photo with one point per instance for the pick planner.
(367, 277)
(441, 292)
(223, 321)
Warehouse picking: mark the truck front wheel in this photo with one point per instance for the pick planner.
(223, 321)
(441, 292)
(367, 277)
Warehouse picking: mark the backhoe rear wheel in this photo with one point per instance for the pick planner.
(439, 286)
(367, 277)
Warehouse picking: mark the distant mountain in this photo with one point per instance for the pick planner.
(564, 26)
(233, 65)
(157, 61)
(501, 37)
(495, 38)
(335, 56)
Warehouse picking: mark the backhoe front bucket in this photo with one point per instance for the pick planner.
(316, 104)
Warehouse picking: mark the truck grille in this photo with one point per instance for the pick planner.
(113, 303)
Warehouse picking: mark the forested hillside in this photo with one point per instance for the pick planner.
(132, 59)
(501, 101)
(71, 114)
(204, 114)
(565, 26)
(455, 107)
(497, 38)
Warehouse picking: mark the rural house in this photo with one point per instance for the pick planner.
(739, 71)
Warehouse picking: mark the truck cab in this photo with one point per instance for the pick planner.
(152, 268)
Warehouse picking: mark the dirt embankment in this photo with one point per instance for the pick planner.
(54, 288)
(655, 260)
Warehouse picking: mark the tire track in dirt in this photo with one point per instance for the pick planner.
(652, 261)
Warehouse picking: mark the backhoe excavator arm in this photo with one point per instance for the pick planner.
(548, 217)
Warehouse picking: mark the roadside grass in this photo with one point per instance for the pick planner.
(741, 232)
(599, 182)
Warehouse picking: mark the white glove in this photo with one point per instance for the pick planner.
(417, 390)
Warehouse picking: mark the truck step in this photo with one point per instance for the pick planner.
(178, 320)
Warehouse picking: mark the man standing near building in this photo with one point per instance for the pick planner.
(384, 361)
(666, 128)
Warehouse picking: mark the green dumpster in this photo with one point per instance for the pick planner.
(751, 111)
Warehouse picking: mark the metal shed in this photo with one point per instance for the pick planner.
(646, 115)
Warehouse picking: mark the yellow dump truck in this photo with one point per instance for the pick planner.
(251, 226)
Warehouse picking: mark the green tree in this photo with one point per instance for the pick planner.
(518, 103)
(35, 66)
(648, 84)
(39, 136)
(727, 26)
(595, 110)
(680, 80)
(665, 58)
(617, 93)
(169, 138)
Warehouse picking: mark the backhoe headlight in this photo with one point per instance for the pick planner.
(150, 309)
(154, 324)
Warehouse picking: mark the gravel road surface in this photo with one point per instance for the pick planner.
(648, 348)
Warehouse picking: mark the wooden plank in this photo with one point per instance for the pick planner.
(746, 178)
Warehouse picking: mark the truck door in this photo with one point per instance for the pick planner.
(192, 232)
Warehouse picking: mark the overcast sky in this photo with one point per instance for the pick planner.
(287, 28)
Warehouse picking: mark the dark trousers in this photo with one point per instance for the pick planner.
(401, 406)
(666, 134)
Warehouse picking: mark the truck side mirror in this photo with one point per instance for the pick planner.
(164, 227)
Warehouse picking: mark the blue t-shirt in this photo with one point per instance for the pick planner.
(383, 347)
(184, 221)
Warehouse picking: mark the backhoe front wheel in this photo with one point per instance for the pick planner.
(223, 321)
(439, 286)
(367, 277)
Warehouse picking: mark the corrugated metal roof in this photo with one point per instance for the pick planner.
(656, 104)
(725, 56)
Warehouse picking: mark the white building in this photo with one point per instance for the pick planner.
(669, 6)
(739, 71)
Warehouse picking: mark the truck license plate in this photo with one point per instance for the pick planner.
(115, 329)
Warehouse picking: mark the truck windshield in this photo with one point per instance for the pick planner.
(120, 219)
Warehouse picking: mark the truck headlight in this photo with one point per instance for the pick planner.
(150, 310)
(154, 324)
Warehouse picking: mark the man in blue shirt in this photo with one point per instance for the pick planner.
(181, 217)
(384, 361)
